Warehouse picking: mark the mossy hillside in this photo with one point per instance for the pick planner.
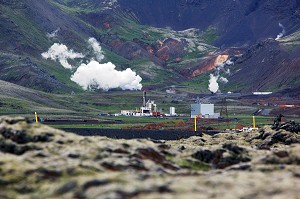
(127, 29)
(28, 33)
(73, 7)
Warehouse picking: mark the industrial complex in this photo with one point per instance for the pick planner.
(148, 109)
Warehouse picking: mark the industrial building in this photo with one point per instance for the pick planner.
(149, 108)
(203, 111)
(172, 111)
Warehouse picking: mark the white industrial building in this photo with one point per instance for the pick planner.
(145, 110)
(172, 111)
(203, 111)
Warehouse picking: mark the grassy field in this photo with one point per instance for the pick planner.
(20, 101)
(165, 123)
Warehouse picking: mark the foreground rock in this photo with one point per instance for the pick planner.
(37, 161)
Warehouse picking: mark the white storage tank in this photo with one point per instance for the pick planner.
(172, 111)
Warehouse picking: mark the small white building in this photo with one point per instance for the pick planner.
(172, 111)
(204, 111)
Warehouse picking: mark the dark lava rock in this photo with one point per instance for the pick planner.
(133, 164)
(234, 148)
(208, 156)
(21, 137)
(10, 147)
(67, 187)
(14, 120)
(45, 174)
(218, 160)
(281, 154)
(204, 156)
(181, 148)
(94, 183)
(73, 155)
(281, 136)
(151, 154)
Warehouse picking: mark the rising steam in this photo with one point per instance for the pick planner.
(61, 53)
(96, 48)
(280, 35)
(94, 74)
(223, 79)
(53, 34)
(213, 84)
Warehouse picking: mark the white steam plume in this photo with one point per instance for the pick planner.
(280, 35)
(94, 74)
(61, 53)
(105, 76)
(96, 48)
(213, 84)
(223, 79)
(53, 34)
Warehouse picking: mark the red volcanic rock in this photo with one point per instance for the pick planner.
(209, 64)
(116, 43)
(106, 25)
(150, 50)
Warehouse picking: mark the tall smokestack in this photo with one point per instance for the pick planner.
(144, 98)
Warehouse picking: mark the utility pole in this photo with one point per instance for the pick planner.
(224, 111)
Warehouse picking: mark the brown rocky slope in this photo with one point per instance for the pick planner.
(37, 161)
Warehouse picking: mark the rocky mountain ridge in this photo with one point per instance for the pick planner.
(147, 43)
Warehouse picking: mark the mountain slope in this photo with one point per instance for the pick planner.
(165, 42)
(270, 67)
(238, 22)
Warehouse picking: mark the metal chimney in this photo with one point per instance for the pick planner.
(144, 98)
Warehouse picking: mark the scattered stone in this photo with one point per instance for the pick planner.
(67, 187)
(149, 153)
(281, 154)
(10, 147)
(72, 155)
(37, 161)
(181, 148)
(94, 183)
(204, 156)
(234, 148)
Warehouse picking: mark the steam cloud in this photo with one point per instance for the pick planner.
(223, 79)
(105, 76)
(61, 53)
(96, 48)
(280, 35)
(53, 34)
(94, 74)
(213, 84)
